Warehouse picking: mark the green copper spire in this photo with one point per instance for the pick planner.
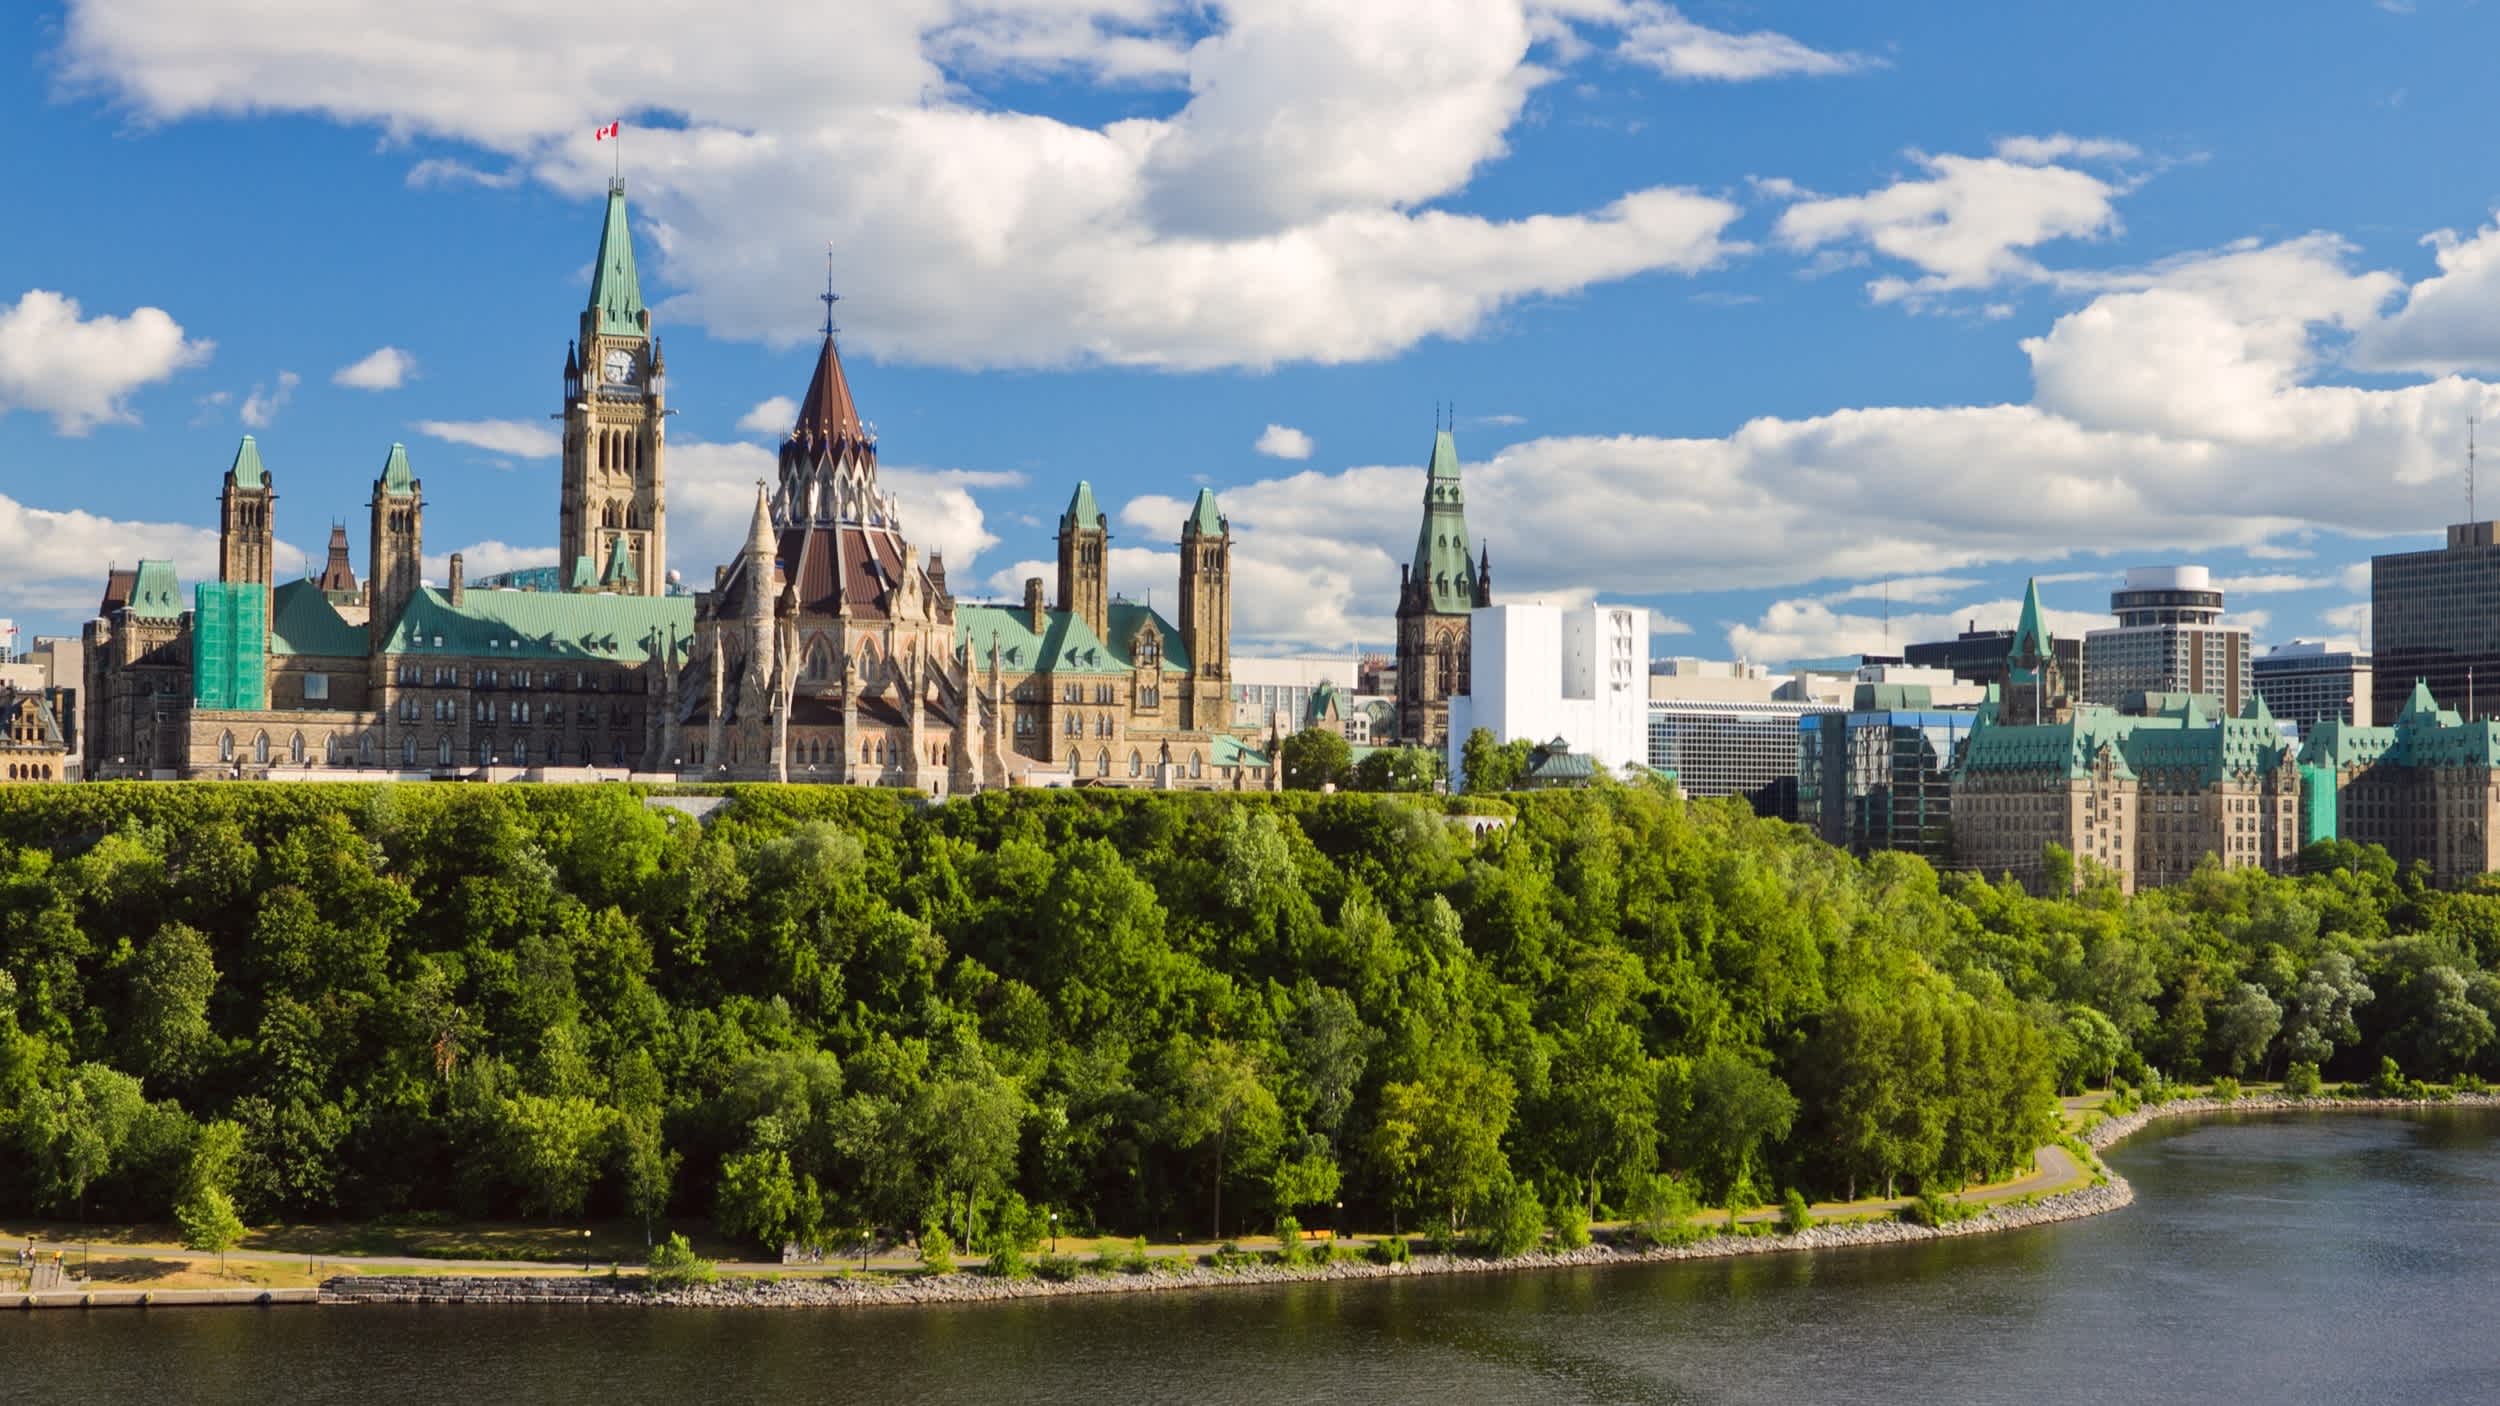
(1083, 513)
(397, 478)
(2031, 647)
(247, 470)
(1205, 519)
(615, 289)
(620, 570)
(1443, 573)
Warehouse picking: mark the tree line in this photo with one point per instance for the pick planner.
(825, 1013)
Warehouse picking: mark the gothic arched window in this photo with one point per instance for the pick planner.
(1102, 762)
(1136, 763)
(225, 747)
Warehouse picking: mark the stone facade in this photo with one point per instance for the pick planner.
(830, 650)
(1436, 592)
(33, 746)
(2426, 787)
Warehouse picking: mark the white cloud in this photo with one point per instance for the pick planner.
(1283, 442)
(1908, 590)
(2355, 577)
(2041, 151)
(382, 369)
(2446, 321)
(1966, 222)
(518, 438)
(81, 370)
(56, 560)
(1660, 37)
(261, 407)
(774, 416)
(1811, 629)
(491, 558)
(1282, 211)
(1662, 624)
(442, 171)
(2352, 619)
(2271, 583)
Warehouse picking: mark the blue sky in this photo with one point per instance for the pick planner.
(1746, 310)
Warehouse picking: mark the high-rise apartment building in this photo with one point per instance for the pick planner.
(2435, 619)
(2169, 639)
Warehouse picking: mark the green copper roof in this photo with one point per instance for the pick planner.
(1443, 568)
(2031, 636)
(620, 570)
(154, 593)
(2184, 746)
(1232, 751)
(397, 479)
(1065, 644)
(1205, 518)
(2418, 704)
(1082, 510)
(302, 621)
(615, 289)
(247, 470)
(542, 625)
(585, 576)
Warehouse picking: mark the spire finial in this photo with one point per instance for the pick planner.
(830, 297)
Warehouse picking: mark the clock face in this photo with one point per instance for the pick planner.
(619, 367)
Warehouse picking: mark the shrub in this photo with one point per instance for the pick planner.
(1393, 1250)
(2471, 1084)
(937, 1249)
(2226, 1090)
(1008, 1261)
(2302, 1081)
(1570, 1222)
(1289, 1250)
(1661, 1210)
(674, 1265)
(1341, 1253)
(1058, 1269)
(1230, 1255)
(2390, 1081)
(1931, 1210)
(1515, 1221)
(1794, 1217)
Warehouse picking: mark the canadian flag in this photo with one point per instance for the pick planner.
(604, 133)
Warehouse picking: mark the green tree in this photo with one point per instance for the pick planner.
(759, 1198)
(1399, 769)
(1439, 1136)
(1603, 1104)
(1489, 767)
(170, 986)
(1724, 1110)
(551, 1150)
(1215, 1098)
(2243, 1027)
(1315, 758)
(209, 1223)
(1514, 1219)
(646, 1167)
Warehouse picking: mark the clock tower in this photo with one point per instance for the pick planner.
(613, 529)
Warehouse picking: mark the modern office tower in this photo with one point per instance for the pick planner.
(1722, 747)
(1880, 776)
(1977, 656)
(2169, 639)
(2314, 681)
(1544, 673)
(2435, 619)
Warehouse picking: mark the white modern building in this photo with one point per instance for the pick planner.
(1542, 672)
(2169, 639)
(1278, 691)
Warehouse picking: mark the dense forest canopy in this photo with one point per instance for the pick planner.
(823, 1011)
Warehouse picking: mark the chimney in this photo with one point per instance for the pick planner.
(1033, 602)
(458, 586)
(937, 571)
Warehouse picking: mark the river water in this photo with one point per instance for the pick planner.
(2344, 1258)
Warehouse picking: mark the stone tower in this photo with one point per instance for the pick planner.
(1437, 591)
(246, 529)
(398, 549)
(2035, 684)
(1207, 613)
(613, 521)
(1084, 562)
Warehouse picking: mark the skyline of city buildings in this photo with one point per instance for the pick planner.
(2170, 638)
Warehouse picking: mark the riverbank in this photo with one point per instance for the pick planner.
(2109, 1193)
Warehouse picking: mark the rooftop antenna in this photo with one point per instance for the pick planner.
(2469, 468)
(829, 296)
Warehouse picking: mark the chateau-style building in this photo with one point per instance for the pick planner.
(832, 650)
(33, 746)
(2426, 787)
(2146, 797)
(1436, 592)
(260, 677)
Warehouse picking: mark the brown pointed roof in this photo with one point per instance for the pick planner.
(828, 417)
(336, 574)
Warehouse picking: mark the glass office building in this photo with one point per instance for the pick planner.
(1731, 748)
(1882, 779)
(2435, 618)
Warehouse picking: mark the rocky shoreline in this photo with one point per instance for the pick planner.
(827, 1291)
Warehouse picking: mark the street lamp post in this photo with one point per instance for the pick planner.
(1054, 1232)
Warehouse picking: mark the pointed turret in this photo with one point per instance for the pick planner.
(615, 288)
(827, 412)
(620, 573)
(2257, 711)
(1084, 561)
(398, 479)
(1204, 518)
(1084, 512)
(247, 471)
(1443, 574)
(2036, 691)
(760, 529)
